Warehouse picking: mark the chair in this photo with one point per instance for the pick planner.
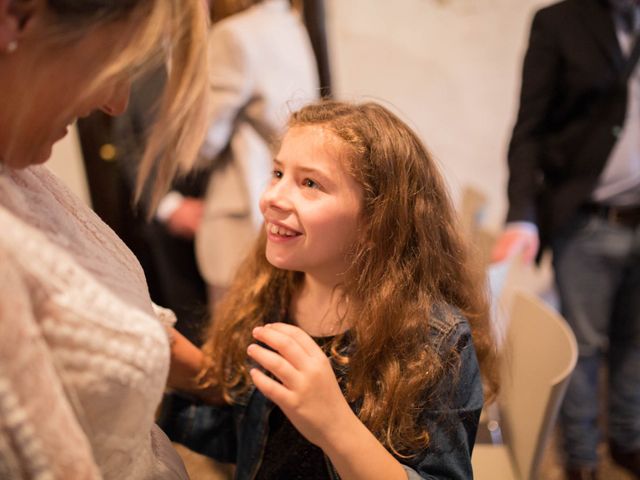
(540, 354)
(472, 206)
(502, 279)
(66, 163)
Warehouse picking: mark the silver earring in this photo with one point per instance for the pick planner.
(12, 46)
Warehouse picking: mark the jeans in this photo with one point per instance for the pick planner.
(597, 268)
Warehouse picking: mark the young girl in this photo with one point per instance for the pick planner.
(353, 340)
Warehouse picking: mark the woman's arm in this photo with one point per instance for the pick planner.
(187, 361)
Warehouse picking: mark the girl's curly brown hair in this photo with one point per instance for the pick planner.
(409, 258)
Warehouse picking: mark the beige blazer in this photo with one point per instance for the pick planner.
(262, 69)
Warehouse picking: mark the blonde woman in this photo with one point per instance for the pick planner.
(83, 352)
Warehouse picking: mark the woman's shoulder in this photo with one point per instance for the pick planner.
(20, 241)
(34, 194)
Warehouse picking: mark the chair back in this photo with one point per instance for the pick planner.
(540, 354)
(501, 280)
(473, 203)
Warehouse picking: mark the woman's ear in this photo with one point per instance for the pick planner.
(15, 20)
(9, 27)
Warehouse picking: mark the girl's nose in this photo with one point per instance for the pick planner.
(277, 195)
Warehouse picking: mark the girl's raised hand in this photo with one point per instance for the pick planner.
(309, 394)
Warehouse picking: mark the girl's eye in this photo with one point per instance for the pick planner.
(277, 173)
(307, 182)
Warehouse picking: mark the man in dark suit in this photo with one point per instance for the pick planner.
(574, 186)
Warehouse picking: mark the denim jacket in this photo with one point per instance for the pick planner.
(238, 433)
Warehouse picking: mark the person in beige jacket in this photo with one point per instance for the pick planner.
(262, 69)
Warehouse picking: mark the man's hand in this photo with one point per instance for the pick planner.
(521, 238)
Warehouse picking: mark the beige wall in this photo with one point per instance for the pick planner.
(449, 67)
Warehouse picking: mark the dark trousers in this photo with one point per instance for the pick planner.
(597, 268)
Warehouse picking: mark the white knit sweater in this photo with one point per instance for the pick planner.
(83, 352)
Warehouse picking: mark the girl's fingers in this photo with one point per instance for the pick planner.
(274, 363)
(299, 335)
(284, 344)
(274, 391)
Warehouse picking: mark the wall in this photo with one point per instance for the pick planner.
(66, 163)
(451, 68)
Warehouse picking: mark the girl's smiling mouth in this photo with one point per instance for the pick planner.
(280, 230)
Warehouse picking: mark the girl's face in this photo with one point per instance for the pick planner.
(312, 205)
(45, 89)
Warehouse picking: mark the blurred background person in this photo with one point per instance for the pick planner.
(314, 14)
(163, 242)
(282, 75)
(84, 354)
(574, 186)
(112, 149)
(262, 68)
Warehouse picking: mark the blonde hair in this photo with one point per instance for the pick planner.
(169, 32)
(221, 9)
(408, 263)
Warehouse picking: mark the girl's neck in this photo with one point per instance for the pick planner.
(319, 308)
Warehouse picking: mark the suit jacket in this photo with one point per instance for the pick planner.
(262, 68)
(572, 108)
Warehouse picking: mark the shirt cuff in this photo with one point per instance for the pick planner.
(526, 227)
(169, 204)
(167, 317)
